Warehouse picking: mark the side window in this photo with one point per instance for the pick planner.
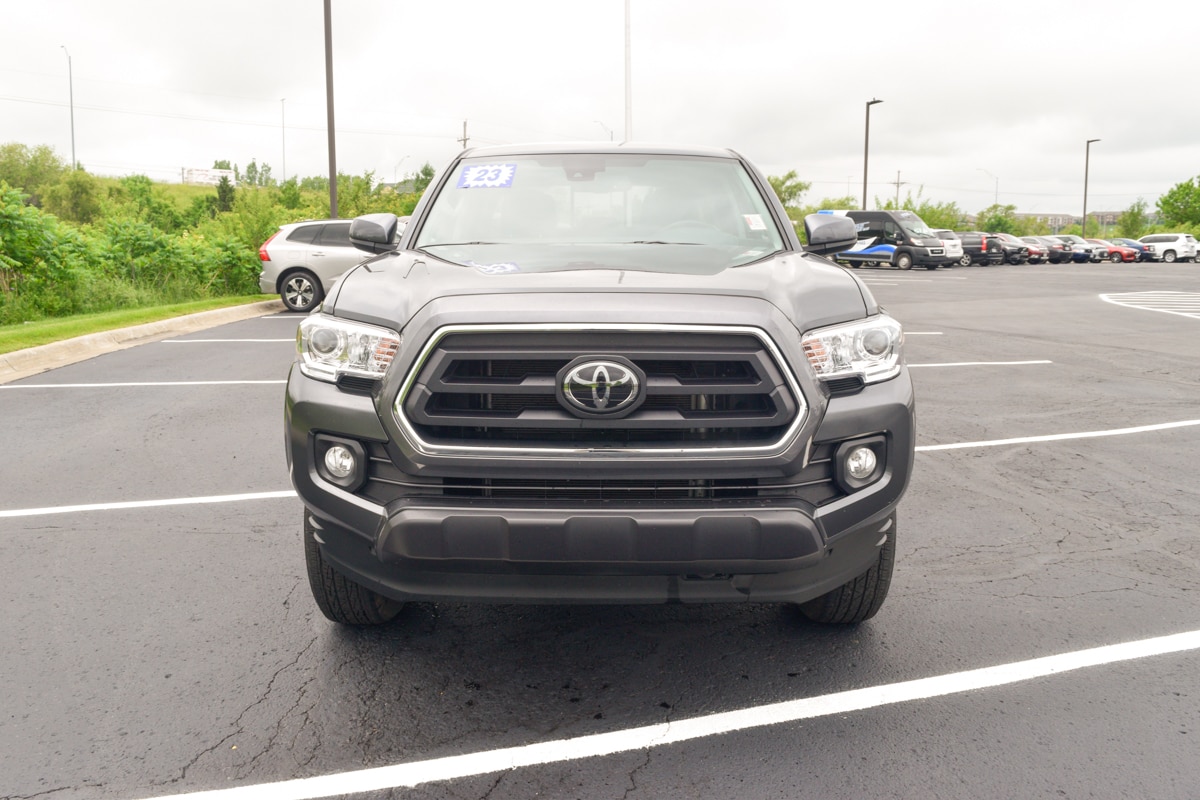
(335, 234)
(891, 231)
(305, 234)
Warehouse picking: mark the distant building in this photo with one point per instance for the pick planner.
(208, 177)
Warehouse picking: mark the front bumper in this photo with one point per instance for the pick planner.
(772, 547)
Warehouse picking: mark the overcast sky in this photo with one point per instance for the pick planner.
(980, 99)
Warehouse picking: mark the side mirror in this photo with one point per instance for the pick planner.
(826, 233)
(375, 233)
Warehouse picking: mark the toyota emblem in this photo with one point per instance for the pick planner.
(601, 386)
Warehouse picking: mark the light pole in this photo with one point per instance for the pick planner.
(866, 149)
(333, 209)
(628, 81)
(283, 135)
(71, 90)
(1087, 156)
(996, 200)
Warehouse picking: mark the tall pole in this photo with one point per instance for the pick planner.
(283, 135)
(333, 209)
(71, 94)
(996, 199)
(628, 80)
(867, 149)
(1087, 156)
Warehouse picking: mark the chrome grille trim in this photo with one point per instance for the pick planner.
(425, 448)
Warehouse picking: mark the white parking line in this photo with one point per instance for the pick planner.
(1058, 437)
(980, 364)
(667, 733)
(175, 501)
(233, 498)
(1183, 304)
(142, 383)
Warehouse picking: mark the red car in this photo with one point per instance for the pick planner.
(1117, 252)
(1038, 252)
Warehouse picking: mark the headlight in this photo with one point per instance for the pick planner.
(870, 349)
(331, 347)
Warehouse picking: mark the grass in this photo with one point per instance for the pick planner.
(33, 334)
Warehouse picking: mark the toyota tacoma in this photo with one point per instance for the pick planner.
(599, 374)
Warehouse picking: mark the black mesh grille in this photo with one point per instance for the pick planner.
(500, 389)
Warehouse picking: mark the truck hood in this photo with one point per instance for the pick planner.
(390, 289)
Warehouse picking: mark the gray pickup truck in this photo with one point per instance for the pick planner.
(599, 374)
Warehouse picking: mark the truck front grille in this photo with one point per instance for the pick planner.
(497, 389)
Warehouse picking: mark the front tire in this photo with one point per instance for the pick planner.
(857, 600)
(301, 291)
(904, 261)
(1115, 258)
(339, 598)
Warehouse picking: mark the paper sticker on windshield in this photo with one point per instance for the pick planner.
(497, 269)
(755, 222)
(487, 176)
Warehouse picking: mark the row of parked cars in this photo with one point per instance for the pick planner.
(977, 247)
(903, 240)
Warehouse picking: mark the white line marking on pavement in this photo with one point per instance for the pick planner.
(145, 383)
(981, 364)
(177, 501)
(1182, 304)
(213, 341)
(232, 498)
(651, 736)
(1058, 437)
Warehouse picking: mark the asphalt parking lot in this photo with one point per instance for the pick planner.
(1041, 637)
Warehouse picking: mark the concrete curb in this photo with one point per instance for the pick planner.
(23, 363)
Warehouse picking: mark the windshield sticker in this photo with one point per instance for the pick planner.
(755, 222)
(487, 176)
(496, 269)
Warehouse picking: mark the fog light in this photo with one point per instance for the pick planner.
(339, 461)
(860, 463)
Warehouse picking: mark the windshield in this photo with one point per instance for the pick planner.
(914, 225)
(623, 210)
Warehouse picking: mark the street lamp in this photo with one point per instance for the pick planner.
(996, 200)
(71, 90)
(283, 135)
(866, 149)
(1087, 155)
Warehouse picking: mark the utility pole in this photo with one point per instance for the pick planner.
(899, 183)
(464, 138)
(283, 135)
(71, 90)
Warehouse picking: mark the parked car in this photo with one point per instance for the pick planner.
(980, 248)
(1142, 248)
(1171, 247)
(952, 245)
(1015, 251)
(1057, 251)
(302, 260)
(1116, 253)
(666, 399)
(1081, 249)
(1039, 251)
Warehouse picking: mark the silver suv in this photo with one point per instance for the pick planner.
(1170, 247)
(303, 259)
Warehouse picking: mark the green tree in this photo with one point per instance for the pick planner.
(32, 170)
(1134, 220)
(788, 188)
(222, 164)
(289, 194)
(226, 194)
(999, 218)
(77, 197)
(939, 216)
(423, 178)
(1181, 204)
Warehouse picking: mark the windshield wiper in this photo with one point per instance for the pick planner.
(658, 241)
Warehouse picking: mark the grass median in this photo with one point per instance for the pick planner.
(48, 331)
